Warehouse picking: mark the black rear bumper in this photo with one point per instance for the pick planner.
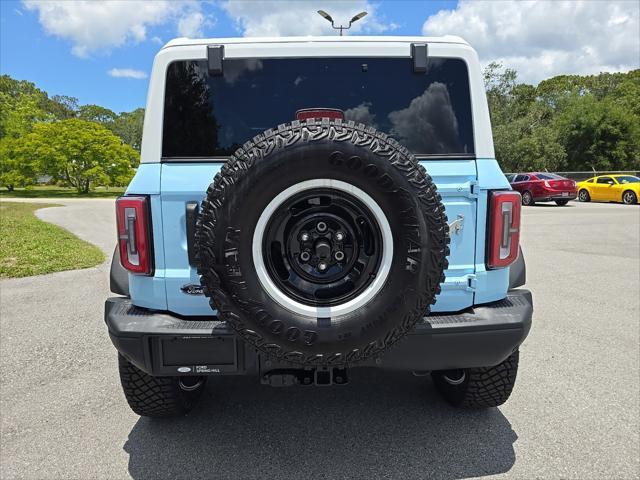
(554, 197)
(164, 344)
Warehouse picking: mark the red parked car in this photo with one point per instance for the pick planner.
(543, 187)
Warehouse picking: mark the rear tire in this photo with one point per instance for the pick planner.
(527, 199)
(584, 196)
(629, 198)
(249, 244)
(150, 396)
(478, 387)
(561, 203)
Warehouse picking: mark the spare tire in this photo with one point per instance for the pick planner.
(322, 242)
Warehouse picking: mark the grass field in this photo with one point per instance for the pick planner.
(46, 191)
(29, 246)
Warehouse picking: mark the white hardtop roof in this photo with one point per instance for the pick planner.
(450, 39)
(325, 46)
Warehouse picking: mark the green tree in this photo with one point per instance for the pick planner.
(128, 126)
(81, 154)
(522, 137)
(16, 171)
(98, 114)
(62, 107)
(17, 115)
(499, 84)
(519, 151)
(20, 109)
(627, 93)
(12, 92)
(599, 134)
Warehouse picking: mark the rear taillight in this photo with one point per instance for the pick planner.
(307, 113)
(134, 234)
(504, 228)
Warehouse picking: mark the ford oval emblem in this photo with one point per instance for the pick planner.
(184, 369)
(192, 289)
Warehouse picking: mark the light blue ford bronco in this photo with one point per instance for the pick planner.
(308, 206)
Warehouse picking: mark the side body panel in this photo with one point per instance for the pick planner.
(149, 292)
(490, 285)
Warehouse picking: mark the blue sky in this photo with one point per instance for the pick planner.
(69, 47)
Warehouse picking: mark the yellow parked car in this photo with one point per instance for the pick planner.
(610, 188)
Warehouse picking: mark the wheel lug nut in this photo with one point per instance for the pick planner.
(304, 256)
(304, 237)
(339, 236)
(321, 226)
(322, 266)
(339, 255)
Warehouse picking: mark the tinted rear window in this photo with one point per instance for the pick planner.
(549, 176)
(624, 179)
(209, 116)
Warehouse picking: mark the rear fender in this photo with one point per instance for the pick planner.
(518, 272)
(118, 276)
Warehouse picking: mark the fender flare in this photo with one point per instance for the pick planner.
(118, 276)
(518, 272)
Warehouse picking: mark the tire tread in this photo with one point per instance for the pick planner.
(484, 387)
(308, 131)
(151, 396)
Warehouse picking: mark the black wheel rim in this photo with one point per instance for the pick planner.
(322, 247)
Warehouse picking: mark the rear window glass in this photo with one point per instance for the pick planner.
(548, 176)
(212, 115)
(627, 179)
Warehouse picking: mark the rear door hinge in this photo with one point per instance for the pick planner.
(473, 189)
(191, 218)
(457, 225)
(471, 283)
(467, 189)
(215, 57)
(464, 282)
(420, 55)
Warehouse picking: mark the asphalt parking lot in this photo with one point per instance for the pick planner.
(574, 412)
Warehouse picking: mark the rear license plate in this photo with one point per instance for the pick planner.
(565, 194)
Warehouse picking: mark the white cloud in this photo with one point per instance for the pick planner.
(361, 114)
(127, 73)
(429, 123)
(94, 26)
(276, 19)
(191, 25)
(541, 39)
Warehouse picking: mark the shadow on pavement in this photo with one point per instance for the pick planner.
(381, 425)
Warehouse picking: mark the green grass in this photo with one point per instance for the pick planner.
(46, 191)
(29, 246)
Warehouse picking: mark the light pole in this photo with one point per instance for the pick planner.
(328, 18)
